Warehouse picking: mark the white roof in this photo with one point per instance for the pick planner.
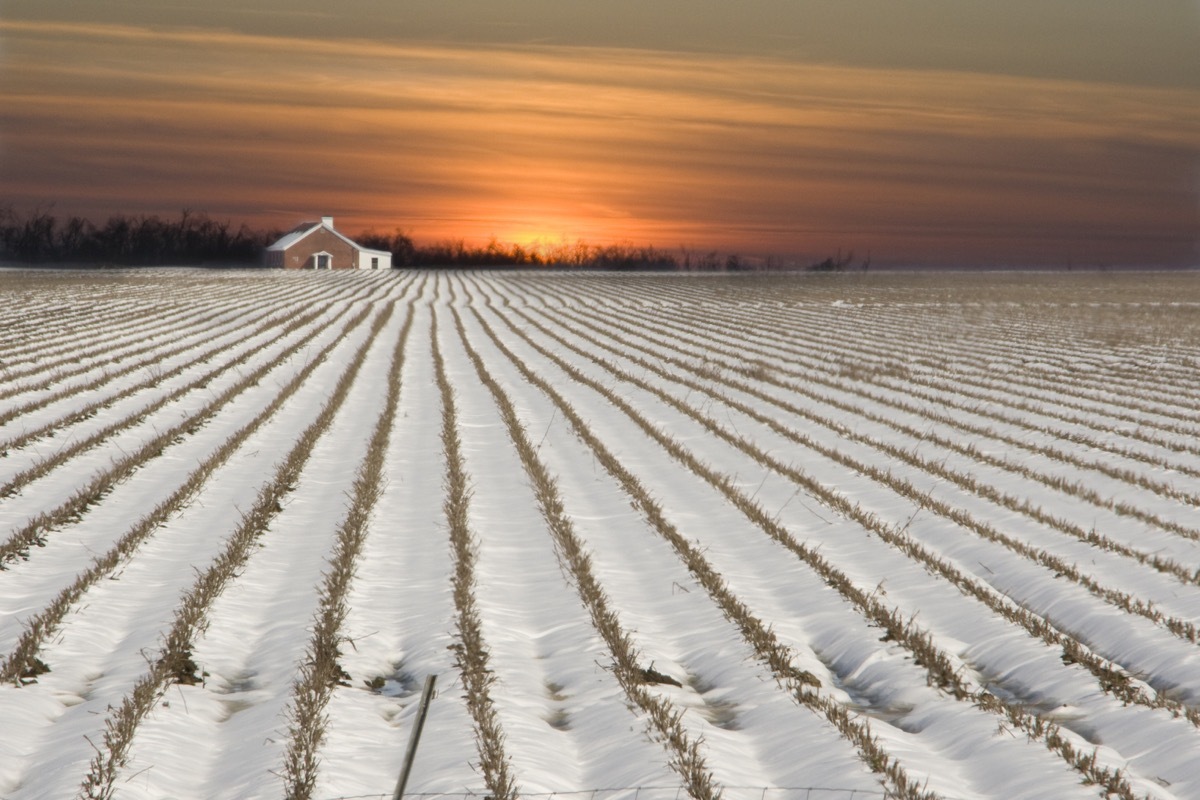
(295, 235)
(305, 228)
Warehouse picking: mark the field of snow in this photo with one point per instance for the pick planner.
(657, 536)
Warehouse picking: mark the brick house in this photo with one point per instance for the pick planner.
(316, 245)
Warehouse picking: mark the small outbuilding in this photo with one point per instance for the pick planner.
(317, 245)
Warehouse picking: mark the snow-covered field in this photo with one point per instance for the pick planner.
(657, 536)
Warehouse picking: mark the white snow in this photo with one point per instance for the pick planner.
(1037, 419)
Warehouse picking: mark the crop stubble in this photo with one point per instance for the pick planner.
(928, 375)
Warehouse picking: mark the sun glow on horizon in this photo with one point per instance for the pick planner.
(517, 216)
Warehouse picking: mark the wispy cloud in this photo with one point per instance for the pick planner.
(743, 153)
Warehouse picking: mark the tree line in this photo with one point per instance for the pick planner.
(457, 253)
(581, 255)
(191, 238)
(40, 237)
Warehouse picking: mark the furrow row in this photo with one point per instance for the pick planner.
(175, 663)
(939, 667)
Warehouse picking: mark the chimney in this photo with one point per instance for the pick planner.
(327, 222)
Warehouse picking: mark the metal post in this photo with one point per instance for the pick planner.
(411, 753)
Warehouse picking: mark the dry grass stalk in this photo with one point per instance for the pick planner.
(938, 666)
(99, 308)
(285, 321)
(1020, 505)
(873, 347)
(175, 663)
(84, 360)
(818, 373)
(45, 465)
(321, 670)
(33, 533)
(903, 487)
(1111, 678)
(471, 650)
(23, 663)
(690, 324)
(226, 306)
(686, 757)
(800, 684)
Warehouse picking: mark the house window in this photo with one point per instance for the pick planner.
(374, 262)
(322, 261)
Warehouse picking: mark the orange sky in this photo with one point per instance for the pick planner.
(526, 141)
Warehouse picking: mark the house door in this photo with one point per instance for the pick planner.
(322, 261)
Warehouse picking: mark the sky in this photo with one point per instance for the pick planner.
(935, 132)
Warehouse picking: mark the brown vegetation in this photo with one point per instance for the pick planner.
(321, 671)
(175, 663)
(471, 649)
(940, 668)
